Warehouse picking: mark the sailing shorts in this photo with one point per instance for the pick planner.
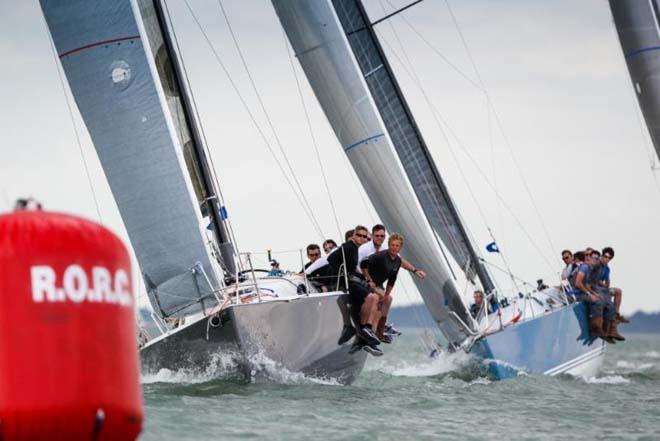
(357, 292)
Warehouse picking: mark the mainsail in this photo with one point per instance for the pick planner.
(638, 25)
(324, 52)
(407, 138)
(145, 154)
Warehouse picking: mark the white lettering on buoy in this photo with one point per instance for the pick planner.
(102, 285)
(75, 283)
(76, 286)
(43, 283)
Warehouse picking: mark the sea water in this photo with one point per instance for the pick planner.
(407, 395)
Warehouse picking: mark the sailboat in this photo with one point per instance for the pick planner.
(128, 81)
(638, 27)
(340, 53)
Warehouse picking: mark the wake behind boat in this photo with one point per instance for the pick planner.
(129, 84)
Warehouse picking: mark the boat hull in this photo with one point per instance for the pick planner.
(550, 344)
(298, 335)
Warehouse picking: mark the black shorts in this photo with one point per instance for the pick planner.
(357, 292)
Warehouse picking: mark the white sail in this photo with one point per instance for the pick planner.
(103, 50)
(321, 46)
(407, 139)
(638, 25)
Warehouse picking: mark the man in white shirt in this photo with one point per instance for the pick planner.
(373, 246)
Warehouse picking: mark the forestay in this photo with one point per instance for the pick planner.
(325, 55)
(638, 25)
(113, 79)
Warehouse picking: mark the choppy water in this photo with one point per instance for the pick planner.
(405, 395)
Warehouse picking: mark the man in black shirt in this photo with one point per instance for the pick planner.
(379, 268)
(317, 277)
(343, 266)
(313, 254)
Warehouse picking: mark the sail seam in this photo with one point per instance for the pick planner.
(364, 141)
(98, 43)
(642, 50)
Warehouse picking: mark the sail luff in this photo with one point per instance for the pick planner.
(210, 194)
(324, 53)
(103, 50)
(638, 27)
(408, 140)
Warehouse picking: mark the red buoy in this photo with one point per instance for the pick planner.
(68, 356)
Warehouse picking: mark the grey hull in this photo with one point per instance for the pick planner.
(299, 335)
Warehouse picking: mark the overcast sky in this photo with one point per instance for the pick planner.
(557, 83)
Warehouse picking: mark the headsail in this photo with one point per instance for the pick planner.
(325, 55)
(638, 25)
(109, 68)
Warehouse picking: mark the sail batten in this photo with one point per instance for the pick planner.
(104, 54)
(407, 138)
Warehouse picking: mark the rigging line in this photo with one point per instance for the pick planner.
(499, 268)
(415, 77)
(73, 121)
(436, 114)
(197, 121)
(311, 132)
(500, 127)
(441, 122)
(653, 156)
(438, 53)
(441, 215)
(262, 105)
(309, 215)
(651, 152)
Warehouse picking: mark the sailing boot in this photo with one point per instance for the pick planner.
(621, 318)
(596, 327)
(606, 331)
(613, 331)
(346, 333)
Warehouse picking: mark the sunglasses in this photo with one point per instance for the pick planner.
(363, 236)
(313, 254)
(565, 257)
(379, 235)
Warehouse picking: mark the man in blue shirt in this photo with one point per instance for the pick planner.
(585, 293)
(617, 293)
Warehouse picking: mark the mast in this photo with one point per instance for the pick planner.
(331, 67)
(454, 230)
(210, 196)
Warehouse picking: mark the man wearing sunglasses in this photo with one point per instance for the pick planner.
(608, 313)
(313, 254)
(329, 245)
(605, 259)
(317, 276)
(343, 263)
(567, 257)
